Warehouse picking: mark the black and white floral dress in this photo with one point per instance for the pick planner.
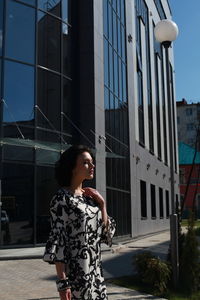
(75, 239)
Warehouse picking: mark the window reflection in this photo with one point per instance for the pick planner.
(59, 8)
(46, 187)
(1, 25)
(18, 93)
(20, 32)
(66, 36)
(52, 6)
(49, 40)
(48, 106)
(17, 202)
(31, 2)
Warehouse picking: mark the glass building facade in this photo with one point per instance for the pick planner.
(36, 87)
(89, 72)
(116, 115)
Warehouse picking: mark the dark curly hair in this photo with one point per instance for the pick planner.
(67, 162)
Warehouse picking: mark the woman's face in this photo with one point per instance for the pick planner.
(84, 168)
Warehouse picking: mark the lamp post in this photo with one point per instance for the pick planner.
(165, 32)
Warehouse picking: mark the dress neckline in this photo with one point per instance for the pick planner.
(71, 193)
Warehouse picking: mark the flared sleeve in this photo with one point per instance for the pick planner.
(108, 232)
(56, 249)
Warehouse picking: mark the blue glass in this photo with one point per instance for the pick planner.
(123, 43)
(116, 79)
(20, 32)
(49, 41)
(120, 80)
(124, 83)
(106, 99)
(65, 11)
(52, 6)
(66, 38)
(106, 62)
(110, 20)
(105, 17)
(18, 92)
(115, 30)
(1, 26)
(114, 4)
(119, 46)
(111, 68)
(122, 12)
(30, 2)
(118, 7)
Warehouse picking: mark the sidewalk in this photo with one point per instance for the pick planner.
(24, 276)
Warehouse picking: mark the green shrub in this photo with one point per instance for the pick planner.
(153, 271)
(189, 260)
(141, 260)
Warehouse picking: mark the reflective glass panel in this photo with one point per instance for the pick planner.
(66, 49)
(1, 25)
(52, 6)
(48, 106)
(105, 15)
(49, 40)
(18, 94)
(31, 2)
(46, 188)
(20, 32)
(106, 62)
(17, 204)
(67, 116)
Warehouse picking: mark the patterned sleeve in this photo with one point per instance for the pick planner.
(108, 232)
(57, 243)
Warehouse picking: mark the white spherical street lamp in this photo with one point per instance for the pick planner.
(165, 32)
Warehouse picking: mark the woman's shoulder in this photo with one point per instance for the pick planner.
(59, 197)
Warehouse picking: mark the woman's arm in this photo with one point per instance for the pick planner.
(60, 269)
(100, 200)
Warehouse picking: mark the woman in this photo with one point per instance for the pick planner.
(79, 223)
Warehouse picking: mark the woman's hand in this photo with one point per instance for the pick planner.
(65, 295)
(95, 195)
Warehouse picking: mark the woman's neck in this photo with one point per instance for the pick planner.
(75, 187)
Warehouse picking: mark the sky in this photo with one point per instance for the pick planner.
(186, 14)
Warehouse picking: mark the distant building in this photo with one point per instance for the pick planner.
(186, 157)
(90, 72)
(188, 120)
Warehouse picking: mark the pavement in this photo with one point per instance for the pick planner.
(24, 276)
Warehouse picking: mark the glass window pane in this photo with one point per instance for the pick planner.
(1, 25)
(49, 40)
(116, 70)
(118, 7)
(124, 83)
(66, 10)
(106, 62)
(46, 187)
(52, 6)
(115, 31)
(110, 14)
(20, 32)
(122, 11)
(18, 153)
(67, 116)
(31, 2)
(111, 67)
(48, 112)
(119, 47)
(67, 67)
(105, 15)
(18, 93)
(18, 203)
